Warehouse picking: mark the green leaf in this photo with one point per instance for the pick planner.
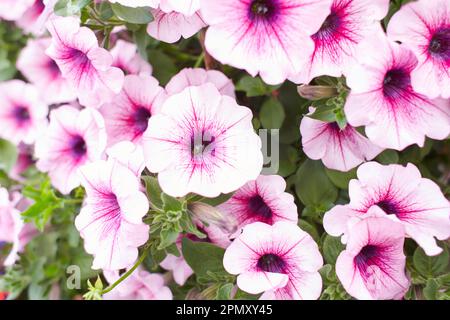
(332, 247)
(141, 38)
(70, 7)
(430, 266)
(254, 87)
(224, 292)
(203, 257)
(140, 15)
(153, 191)
(166, 67)
(8, 155)
(272, 114)
(313, 186)
(431, 289)
(324, 113)
(341, 179)
(388, 157)
(168, 237)
(171, 203)
(309, 228)
(217, 200)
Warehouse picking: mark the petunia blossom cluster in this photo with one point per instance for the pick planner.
(152, 157)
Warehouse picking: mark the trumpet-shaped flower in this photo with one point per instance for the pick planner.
(202, 142)
(269, 37)
(398, 193)
(126, 57)
(424, 27)
(372, 267)
(280, 260)
(44, 73)
(349, 22)
(383, 99)
(127, 116)
(110, 221)
(263, 200)
(172, 26)
(339, 149)
(72, 139)
(23, 115)
(86, 66)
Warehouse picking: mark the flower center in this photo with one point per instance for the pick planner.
(388, 207)
(200, 143)
(395, 82)
(79, 147)
(440, 44)
(366, 255)
(259, 208)
(22, 114)
(271, 263)
(140, 118)
(330, 24)
(262, 8)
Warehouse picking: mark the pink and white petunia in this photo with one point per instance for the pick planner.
(30, 21)
(400, 194)
(424, 27)
(24, 161)
(14, 9)
(185, 7)
(383, 100)
(349, 22)
(280, 260)
(181, 271)
(263, 200)
(126, 57)
(13, 229)
(339, 149)
(129, 155)
(72, 139)
(189, 77)
(172, 26)
(23, 114)
(86, 66)
(372, 267)
(127, 116)
(140, 285)
(110, 221)
(44, 73)
(269, 37)
(202, 142)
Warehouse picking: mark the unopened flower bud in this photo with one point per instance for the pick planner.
(209, 215)
(315, 93)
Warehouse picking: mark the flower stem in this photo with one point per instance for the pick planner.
(128, 273)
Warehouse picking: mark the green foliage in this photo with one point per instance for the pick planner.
(70, 7)
(132, 15)
(8, 155)
(272, 114)
(254, 87)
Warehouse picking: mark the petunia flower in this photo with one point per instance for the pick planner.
(13, 229)
(269, 37)
(181, 271)
(23, 115)
(126, 57)
(280, 260)
(185, 7)
(110, 222)
(424, 27)
(140, 285)
(25, 160)
(129, 155)
(349, 22)
(172, 26)
(263, 200)
(382, 98)
(202, 142)
(372, 267)
(402, 195)
(339, 149)
(14, 9)
(127, 116)
(86, 66)
(189, 77)
(72, 139)
(44, 73)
